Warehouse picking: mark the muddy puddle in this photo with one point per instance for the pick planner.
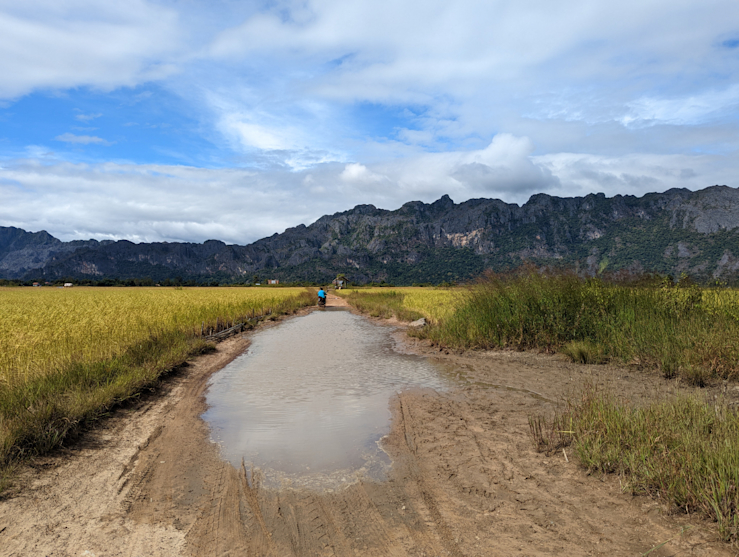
(307, 404)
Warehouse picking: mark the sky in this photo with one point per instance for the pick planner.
(185, 120)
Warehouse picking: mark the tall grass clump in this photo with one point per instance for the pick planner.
(70, 355)
(683, 451)
(681, 330)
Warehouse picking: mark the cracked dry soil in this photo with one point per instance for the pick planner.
(465, 480)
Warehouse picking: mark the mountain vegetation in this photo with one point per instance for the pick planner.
(676, 232)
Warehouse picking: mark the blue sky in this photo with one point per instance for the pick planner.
(186, 120)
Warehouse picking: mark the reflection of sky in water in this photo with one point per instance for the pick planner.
(312, 395)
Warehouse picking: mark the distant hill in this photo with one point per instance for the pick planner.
(675, 232)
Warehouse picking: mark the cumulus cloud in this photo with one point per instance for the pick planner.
(503, 166)
(359, 174)
(636, 174)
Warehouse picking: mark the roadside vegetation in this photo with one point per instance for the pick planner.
(684, 450)
(69, 355)
(680, 329)
(405, 303)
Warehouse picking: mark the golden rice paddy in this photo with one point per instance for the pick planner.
(46, 329)
(435, 304)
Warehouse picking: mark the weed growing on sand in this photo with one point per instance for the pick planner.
(551, 435)
(69, 354)
(683, 451)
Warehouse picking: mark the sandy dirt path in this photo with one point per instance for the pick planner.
(465, 480)
(332, 300)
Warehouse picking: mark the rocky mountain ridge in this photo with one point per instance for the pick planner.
(678, 231)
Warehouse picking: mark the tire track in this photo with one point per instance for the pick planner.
(445, 533)
(250, 494)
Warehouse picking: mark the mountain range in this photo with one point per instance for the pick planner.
(675, 232)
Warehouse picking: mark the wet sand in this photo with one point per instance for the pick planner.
(307, 403)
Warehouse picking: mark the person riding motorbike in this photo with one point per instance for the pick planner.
(321, 297)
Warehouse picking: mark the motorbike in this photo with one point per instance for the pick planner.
(321, 301)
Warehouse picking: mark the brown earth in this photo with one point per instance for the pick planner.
(465, 480)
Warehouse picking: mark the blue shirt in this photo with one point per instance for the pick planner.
(321, 293)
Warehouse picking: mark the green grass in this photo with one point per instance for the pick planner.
(678, 330)
(683, 451)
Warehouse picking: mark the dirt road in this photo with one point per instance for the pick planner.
(465, 480)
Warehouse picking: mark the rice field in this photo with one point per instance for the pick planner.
(47, 329)
(435, 304)
(69, 354)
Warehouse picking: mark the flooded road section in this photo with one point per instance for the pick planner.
(309, 401)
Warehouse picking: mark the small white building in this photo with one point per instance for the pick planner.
(68, 285)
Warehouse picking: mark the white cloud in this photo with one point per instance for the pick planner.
(271, 134)
(637, 174)
(385, 50)
(81, 139)
(256, 136)
(87, 117)
(285, 76)
(180, 203)
(688, 110)
(60, 44)
(502, 169)
(416, 137)
(360, 174)
(468, 69)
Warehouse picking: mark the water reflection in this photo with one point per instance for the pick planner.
(308, 402)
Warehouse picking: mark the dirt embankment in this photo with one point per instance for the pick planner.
(465, 480)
